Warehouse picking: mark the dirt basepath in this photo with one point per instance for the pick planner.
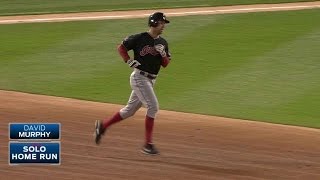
(168, 12)
(192, 146)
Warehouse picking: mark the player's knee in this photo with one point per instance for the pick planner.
(125, 113)
(152, 110)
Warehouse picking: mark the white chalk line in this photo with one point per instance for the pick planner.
(216, 11)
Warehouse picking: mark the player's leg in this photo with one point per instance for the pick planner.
(151, 102)
(130, 109)
(143, 88)
(133, 105)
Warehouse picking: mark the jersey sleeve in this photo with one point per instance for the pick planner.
(130, 42)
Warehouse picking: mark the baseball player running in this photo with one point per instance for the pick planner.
(150, 53)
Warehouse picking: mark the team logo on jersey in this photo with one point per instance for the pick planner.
(148, 50)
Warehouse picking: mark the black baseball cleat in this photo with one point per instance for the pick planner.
(150, 149)
(99, 131)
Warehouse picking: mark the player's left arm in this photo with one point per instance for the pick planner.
(163, 50)
(166, 59)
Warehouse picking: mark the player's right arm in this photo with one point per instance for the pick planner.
(126, 45)
(123, 52)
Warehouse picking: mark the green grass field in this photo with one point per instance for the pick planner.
(258, 66)
(14, 7)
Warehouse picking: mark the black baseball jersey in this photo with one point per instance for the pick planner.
(142, 45)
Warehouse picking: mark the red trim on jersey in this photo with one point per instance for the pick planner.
(165, 61)
(123, 52)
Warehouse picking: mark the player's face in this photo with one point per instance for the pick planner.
(160, 27)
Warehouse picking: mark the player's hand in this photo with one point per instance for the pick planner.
(160, 48)
(133, 63)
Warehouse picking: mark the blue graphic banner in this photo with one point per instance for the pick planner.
(43, 131)
(34, 153)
